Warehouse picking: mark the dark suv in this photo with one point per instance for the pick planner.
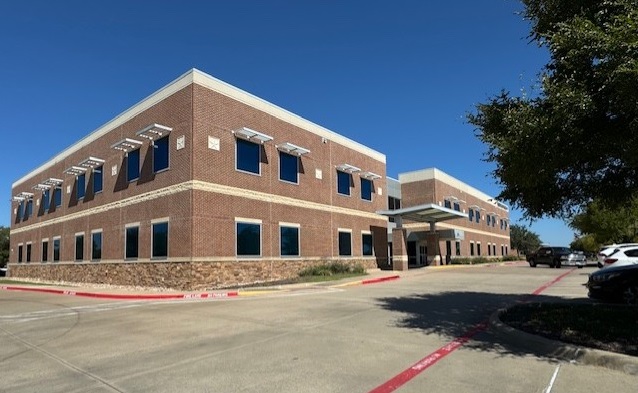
(556, 257)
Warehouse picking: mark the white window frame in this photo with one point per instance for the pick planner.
(168, 233)
(288, 225)
(243, 220)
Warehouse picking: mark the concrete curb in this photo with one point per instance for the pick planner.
(562, 351)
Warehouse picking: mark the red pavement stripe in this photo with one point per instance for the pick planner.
(380, 279)
(406, 375)
(205, 295)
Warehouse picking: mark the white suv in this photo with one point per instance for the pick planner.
(622, 256)
(606, 251)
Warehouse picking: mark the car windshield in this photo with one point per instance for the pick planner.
(562, 250)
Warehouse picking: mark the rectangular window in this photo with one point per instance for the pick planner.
(478, 249)
(28, 252)
(471, 215)
(494, 249)
(489, 248)
(28, 210)
(343, 183)
(56, 249)
(366, 189)
(133, 165)
(79, 247)
(289, 241)
(96, 246)
(160, 154)
(20, 253)
(160, 240)
(366, 244)
(288, 167)
(248, 156)
(502, 250)
(20, 212)
(458, 248)
(447, 203)
(132, 242)
(80, 184)
(345, 243)
(248, 239)
(45, 200)
(478, 216)
(394, 203)
(487, 218)
(457, 207)
(506, 251)
(493, 221)
(98, 179)
(45, 250)
(57, 196)
(471, 249)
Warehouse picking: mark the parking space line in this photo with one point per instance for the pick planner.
(549, 387)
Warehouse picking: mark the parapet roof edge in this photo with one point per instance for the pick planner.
(201, 78)
(437, 174)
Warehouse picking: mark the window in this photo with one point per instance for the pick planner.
(57, 197)
(447, 203)
(506, 251)
(132, 242)
(366, 189)
(366, 244)
(79, 247)
(56, 249)
(21, 211)
(45, 250)
(501, 221)
(489, 248)
(20, 253)
(472, 249)
(28, 252)
(160, 240)
(80, 184)
(248, 239)
(133, 165)
(345, 243)
(458, 248)
(98, 179)
(457, 207)
(343, 183)
(160, 154)
(288, 167)
(248, 156)
(471, 215)
(494, 249)
(394, 203)
(478, 216)
(45, 200)
(28, 210)
(502, 250)
(478, 249)
(96, 246)
(487, 218)
(289, 240)
(493, 221)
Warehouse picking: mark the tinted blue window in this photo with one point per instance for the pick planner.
(79, 247)
(56, 250)
(289, 238)
(57, 196)
(160, 239)
(288, 167)
(478, 216)
(366, 241)
(457, 207)
(345, 243)
(132, 242)
(160, 154)
(447, 204)
(247, 156)
(248, 239)
(28, 210)
(80, 184)
(366, 189)
(343, 183)
(96, 246)
(471, 214)
(45, 200)
(133, 165)
(98, 178)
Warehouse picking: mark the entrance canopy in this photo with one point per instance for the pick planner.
(430, 212)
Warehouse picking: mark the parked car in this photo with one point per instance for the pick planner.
(622, 256)
(3, 271)
(605, 251)
(556, 257)
(615, 284)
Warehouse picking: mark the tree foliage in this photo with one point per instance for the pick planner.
(575, 141)
(4, 245)
(608, 225)
(586, 243)
(523, 240)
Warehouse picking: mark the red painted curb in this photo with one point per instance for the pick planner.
(380, 279)
(204, 295)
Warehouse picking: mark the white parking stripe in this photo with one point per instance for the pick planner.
(549, 387)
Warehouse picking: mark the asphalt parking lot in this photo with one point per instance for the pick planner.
(423, 332)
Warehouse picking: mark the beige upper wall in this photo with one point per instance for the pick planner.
(203, 79)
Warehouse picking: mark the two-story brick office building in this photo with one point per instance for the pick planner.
(435, 218)
(200, 185)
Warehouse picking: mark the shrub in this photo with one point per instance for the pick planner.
(332, 268)
(510, 258)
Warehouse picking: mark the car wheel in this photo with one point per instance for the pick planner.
(630, 295)
(580, 266)
(557, 264)
(532, 263)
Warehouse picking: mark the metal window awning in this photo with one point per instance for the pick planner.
(430, 212)
(474, 207)
(41, 187)
(348, 168)
(252, 135)
(370, 175)
(154, 131)
(53, 182)
(22, 196)
(292, 149)
(92, 162)
(75, 170)
(126, 145)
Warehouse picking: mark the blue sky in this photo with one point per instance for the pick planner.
(397, 76)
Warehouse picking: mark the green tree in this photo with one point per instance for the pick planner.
(586, 243)
(608, 225)
(576, 139)
(4, 246)
(523, 240)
